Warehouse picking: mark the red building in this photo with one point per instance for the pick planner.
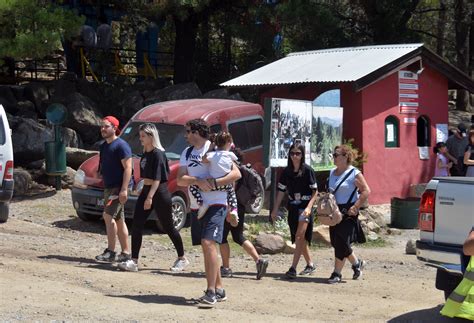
(395, 97)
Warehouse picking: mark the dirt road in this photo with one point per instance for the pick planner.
(47, 272)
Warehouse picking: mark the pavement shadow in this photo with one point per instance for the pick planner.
(426, 315)
(98, 226)
(158, 299)
(82, 260)
(281, 276)
(187, 274)
(35, 196)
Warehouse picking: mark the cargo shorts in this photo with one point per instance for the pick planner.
(112, 206)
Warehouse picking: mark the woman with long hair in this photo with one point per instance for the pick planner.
(154, 171)
(299, 181)
(352, 191)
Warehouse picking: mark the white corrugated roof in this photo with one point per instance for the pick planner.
(328, 65)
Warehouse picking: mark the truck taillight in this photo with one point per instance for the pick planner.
(8, 170)
(426, 213)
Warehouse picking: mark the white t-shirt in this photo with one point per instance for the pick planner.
(198, 169)
(345, 190)
(220, 162)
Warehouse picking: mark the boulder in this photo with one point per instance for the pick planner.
(372, 226)
(216, 94)
(75, 156)
(269, 243)
(132, 103)
(61, 90)
(235, 96)
(28, 137)
(23, 181)
(67, 179)
(18, 91)
(37, 93)
(394, 231)
(372, 236)
(26, 109)
(289, 247)
(410, 248)
(83, 117)
(70, 138)
(174, 92)
(8, 100)
(321, 235)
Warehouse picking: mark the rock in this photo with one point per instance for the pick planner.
(376, 213)
(394, 231)
(18, 91)
(70, 138)
(83, 117)
(416, 190)
(269, 244)
(410, 248)
(289, 247)
(372, 226)
(61, 90)
(23, 181)
(175, 92)
(28, 137)
(26, 109)
(75, 156)
(131, 104)
(8, 100)
(216, 94)
(321, 235)
(37, 93)
(66, 180)
(37, 164)
(235, 96)
(372, 236)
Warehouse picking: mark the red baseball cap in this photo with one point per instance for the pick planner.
(114, 122)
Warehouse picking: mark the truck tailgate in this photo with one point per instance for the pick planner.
(453, 202)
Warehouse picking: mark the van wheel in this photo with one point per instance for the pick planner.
(88, 217)
(178, 212)
(4, 208)
(257, 205)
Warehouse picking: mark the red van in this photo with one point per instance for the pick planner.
(242, 119)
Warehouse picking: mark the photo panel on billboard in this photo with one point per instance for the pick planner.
(326, 134)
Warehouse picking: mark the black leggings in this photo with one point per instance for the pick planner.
(162, 206)
(238, 231)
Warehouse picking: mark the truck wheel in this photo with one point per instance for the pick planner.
(178, 212)
(257, 205)
(4, 208)
(88, 217)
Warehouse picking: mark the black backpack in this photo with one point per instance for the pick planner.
(249, 186)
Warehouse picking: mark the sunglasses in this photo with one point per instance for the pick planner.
(295, 153)
(336, 154)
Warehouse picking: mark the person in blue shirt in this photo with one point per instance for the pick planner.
(115, 166)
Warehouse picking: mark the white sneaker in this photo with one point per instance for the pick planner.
(128, 265)
(202, 210)
(179, 265)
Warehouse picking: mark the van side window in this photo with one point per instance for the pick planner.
(3, 135)
(247, 134)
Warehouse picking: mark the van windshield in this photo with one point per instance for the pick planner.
(171, 136)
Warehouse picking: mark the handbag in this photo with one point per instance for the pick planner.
(327, 209)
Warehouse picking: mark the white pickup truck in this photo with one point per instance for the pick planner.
(446, 216)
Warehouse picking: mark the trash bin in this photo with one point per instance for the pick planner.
(55, 157)
(404, 212)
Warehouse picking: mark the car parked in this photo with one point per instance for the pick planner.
(6, 165)
(242, 119)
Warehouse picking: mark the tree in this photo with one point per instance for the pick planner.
(33, 29)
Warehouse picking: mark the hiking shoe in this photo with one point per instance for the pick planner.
(107, 255)
(179, 265)
(208, 299)
(291, 273)
(262, 265)
(335, 278)
(308, 270)
(234, 218)
(122, 257)
(202, 210)
(128, 265)
(220, 295)
(358, 269)
(226, 272)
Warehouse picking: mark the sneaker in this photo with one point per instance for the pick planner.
(107, 255)
(234, 218)
(358, 269)
(220, 295)
(335, 278)
(202, 210)
(262, 265)
(308, 270)
(122, 257)
(179, 265)
(128, 265)
(208, 299)
(291, 273)
(226, 272)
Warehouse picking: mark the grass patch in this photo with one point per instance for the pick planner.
(374, 243)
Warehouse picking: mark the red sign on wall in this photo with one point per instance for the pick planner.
(408, 92)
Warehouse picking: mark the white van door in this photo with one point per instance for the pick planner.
(6, 147)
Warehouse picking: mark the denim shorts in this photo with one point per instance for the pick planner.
(210, 226)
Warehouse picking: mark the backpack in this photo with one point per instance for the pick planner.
(249, 186)
(327, 209)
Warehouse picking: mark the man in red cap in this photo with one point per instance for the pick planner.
(115, 166)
